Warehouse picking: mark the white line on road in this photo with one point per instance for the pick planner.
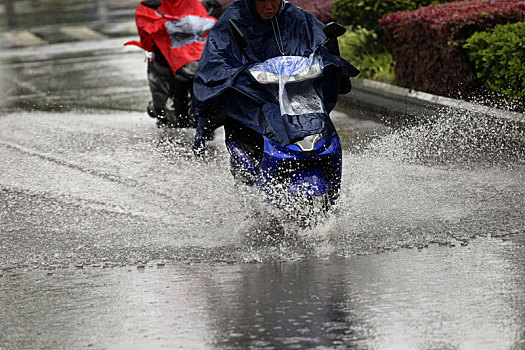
(82, 33)
(24, 38)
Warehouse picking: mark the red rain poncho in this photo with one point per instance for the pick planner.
(180, 36)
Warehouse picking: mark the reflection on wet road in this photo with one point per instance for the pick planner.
(437, 298)
(425, 249)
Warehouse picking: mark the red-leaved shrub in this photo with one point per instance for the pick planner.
(427, 44)
(322, 9)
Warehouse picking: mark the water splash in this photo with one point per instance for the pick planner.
(110, 190)
(456, 138)
(445, 181)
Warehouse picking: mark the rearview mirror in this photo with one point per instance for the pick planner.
(333, 30)
(152, 4)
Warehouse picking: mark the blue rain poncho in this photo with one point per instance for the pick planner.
(225, 79)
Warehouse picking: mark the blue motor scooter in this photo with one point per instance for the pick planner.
(302, 175)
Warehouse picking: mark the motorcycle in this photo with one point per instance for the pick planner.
(305, 175)
(172, 93)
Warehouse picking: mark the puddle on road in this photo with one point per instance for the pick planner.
(464, 297)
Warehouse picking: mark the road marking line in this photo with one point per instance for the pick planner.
(82, 33)
(24, 38)
(127, 27)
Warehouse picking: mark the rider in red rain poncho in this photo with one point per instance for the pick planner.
(174, 37)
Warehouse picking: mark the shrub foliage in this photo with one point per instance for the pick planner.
(366, 13)
(363, 48)
(427, 44)
(498, 57)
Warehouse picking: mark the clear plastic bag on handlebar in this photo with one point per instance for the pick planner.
(294, 76)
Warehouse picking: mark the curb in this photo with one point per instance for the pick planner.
(399, 105)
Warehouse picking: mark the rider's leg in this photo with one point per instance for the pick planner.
(160, 79)
(199, 144)
(206, 130)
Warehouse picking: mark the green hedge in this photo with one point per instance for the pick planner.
(427, 44)
(363, 48)
(498, 57)
(367, 12)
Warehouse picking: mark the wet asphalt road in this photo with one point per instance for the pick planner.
(113, 237)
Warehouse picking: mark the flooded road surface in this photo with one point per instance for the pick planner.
(438, 298)
(113, 236)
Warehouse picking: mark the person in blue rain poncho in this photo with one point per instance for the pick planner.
(225, 91)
